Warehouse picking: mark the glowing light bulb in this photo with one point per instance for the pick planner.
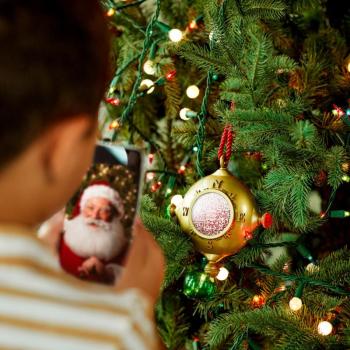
(223, 274)
(150, 158)
(183, 112)
(150, 176)
(114, 125)
(110, 12)
(312, 268)
(175, 35)
(195, 149)
(193, 25)
(211, 35)
(170, 75)
(149, 68)
(147, 84)
(114, 101)
(324, 328)
(348, 67)
(346, 178)
(295, 304)
(182, 169)
(168, 190)
(192, 91)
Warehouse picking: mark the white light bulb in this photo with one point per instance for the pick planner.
(149, 68)
(147, 84)
(211, 35)
(223, 274)
(295, 304)
(150, 176)
(312, 268)
(183, 112)
(175, 35)
(192, 91)
(324, 328)
(176, 200)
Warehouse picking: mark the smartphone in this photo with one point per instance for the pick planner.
(97, 229)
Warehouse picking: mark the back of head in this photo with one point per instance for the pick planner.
(53, 65)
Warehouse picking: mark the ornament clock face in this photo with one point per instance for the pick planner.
(211, 214)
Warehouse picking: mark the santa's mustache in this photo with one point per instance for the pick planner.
(99, 223)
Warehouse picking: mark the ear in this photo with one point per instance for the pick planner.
(67, 146)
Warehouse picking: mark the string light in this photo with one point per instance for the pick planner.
(193, 25)
(339, 214)
(150, 176)
(147, 84)
(295, 304)
(110, 12)
(170, 75)
(114, 125)
(114, 101)
(195, 149)
(156, 186)
(248, 235)
(258, 301)
(346, 178)
(337, 111)
(168, 191)
(150, 158)
(223, 274)
(192, 91)
(324, 328)
(149, 68)
(181, 169)
(175, 35)
(311, 267)
(183, 113)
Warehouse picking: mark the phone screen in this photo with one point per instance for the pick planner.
(97, 230)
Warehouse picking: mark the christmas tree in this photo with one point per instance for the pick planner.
(263, 85)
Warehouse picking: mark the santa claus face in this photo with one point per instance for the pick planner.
(89, 235)
(98, 208)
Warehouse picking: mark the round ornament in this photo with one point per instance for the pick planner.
(219, 213)
(198, 285)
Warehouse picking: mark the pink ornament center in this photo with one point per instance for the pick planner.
(211, 214)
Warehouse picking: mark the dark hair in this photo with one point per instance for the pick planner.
(54, 63)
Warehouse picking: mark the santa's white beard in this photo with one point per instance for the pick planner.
(105, 241)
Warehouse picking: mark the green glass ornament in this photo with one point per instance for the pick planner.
(198, 285)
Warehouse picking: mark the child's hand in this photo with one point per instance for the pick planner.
(144, 268)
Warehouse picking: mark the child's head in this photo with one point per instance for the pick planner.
(54, 68)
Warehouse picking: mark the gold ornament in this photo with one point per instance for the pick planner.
(219, 213)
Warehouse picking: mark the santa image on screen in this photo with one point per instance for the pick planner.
(95, 237)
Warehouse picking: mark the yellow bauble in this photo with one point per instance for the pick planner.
(220, 214)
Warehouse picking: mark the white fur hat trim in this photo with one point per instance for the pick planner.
(103, 191)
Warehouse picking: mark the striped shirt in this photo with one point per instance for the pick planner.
(42, 308)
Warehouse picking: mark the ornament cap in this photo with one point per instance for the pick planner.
(212, 269)
(222, 163)
(266, 220)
